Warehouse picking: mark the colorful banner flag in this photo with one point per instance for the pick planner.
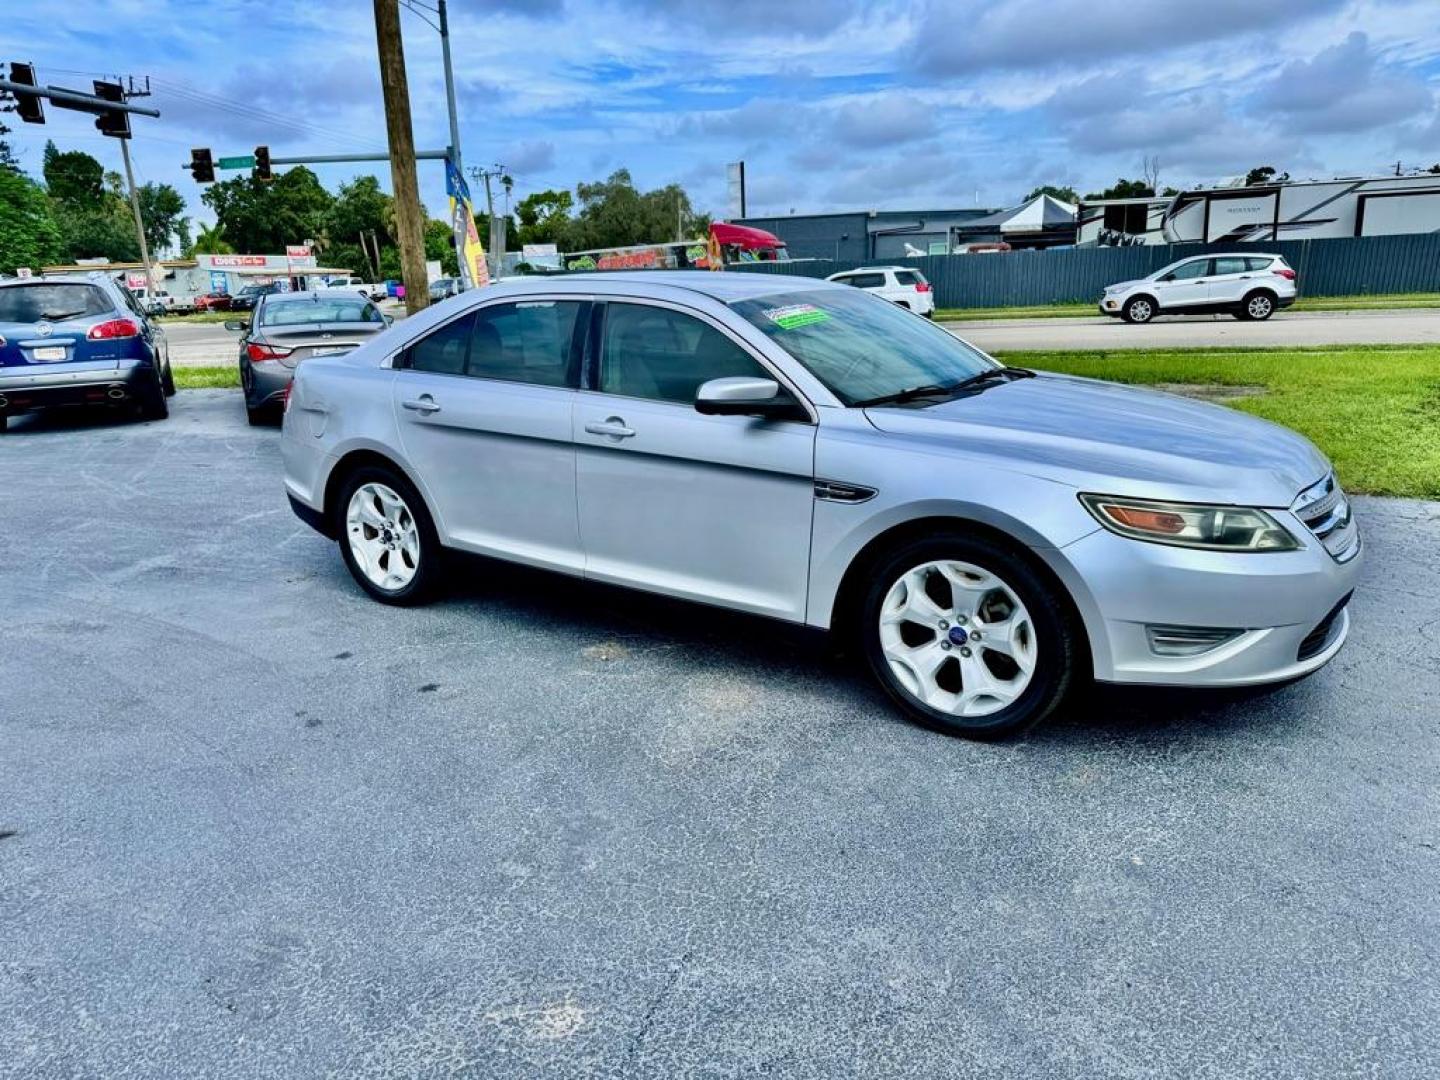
(468, 248)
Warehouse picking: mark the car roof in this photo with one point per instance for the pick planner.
(871, 269)
(59, 279)
(726, 286)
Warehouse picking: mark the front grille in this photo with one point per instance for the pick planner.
(1319, 639)
(1325, 511)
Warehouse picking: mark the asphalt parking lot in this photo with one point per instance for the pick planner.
(253, 824)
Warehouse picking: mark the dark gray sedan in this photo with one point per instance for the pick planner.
(287, 328)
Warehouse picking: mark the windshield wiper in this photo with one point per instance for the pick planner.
(60, 316)
(914, 393)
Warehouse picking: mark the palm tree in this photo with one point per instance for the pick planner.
(210, 242)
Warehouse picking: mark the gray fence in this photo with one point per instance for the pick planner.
(1341, 267)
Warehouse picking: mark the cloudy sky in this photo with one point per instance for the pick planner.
(833, 104)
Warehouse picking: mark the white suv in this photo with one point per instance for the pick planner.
(898, 284)
(1246, 286)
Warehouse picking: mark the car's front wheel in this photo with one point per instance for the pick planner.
(1140, 310)
(967, 637)
(386, 536)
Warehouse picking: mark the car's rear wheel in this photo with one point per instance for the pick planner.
(1256, 307)
(169, 382)
(4, 421)
(1140, 310)
(153, 405)
(386, 536)
(967, 638)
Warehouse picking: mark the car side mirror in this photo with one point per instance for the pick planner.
(389, 320)
(746, 396)
(236, 324)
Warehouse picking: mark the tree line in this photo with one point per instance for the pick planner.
(77, 210)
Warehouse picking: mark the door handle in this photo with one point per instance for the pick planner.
(613, 426)
(424, 404)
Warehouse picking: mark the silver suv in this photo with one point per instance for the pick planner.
(988, 536)
(1248, 286)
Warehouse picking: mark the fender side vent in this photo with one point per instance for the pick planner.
(834, 491)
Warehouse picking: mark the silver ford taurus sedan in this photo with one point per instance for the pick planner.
(989, 536)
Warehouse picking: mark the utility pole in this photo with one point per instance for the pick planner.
(409, 218)
(496, 254)
(131, 91)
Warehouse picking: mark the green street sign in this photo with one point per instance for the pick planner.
(245, 162)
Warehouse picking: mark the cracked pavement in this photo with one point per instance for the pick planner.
(253, 824)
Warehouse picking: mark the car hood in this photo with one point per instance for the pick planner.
(1121, 286)
(1099, 436)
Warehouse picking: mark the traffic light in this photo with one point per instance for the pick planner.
(31, 107)
(262, 163)
(202, 166)
(112, 122)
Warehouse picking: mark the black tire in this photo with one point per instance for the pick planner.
(256, 417)
(153, 405)
(1257, 306)
(169, 382)
(1058, 637)
(429, 568)
(4, 422)
(1139, 310)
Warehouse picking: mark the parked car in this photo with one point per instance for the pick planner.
(249, 296)
(164, 303)
(1248, 286)
(901, 285)
(990, 536)
(372, 290)
(213, 301)
(445, 287)
(288, 328)
(79, 340)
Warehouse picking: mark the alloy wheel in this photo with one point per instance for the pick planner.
(1259, 307)
(958, 638)
(1140, 311)
(383, 536)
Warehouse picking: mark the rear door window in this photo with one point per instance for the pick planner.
(443, 350)
(1230, 265)
(867, 281)
(1253, 264)
(52, 302)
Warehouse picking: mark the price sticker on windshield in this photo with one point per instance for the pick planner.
(795, 315)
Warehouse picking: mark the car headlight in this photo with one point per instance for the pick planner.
(1214, 528)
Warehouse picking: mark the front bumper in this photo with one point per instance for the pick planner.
(38, 387)
(1110, 305)
(1287, 607)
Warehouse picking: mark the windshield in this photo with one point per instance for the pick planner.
(860, 346)
(295, 312)
(52, 303)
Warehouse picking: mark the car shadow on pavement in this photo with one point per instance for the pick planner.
(641, 621)
(72, 418)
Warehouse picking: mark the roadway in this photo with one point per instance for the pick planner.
(211, 345)
(1414, 326)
